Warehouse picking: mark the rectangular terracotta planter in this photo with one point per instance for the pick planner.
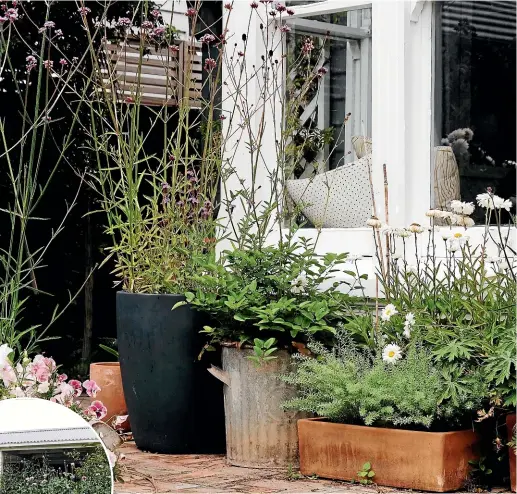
(427, 461)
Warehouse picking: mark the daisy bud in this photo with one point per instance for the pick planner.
(374, 222)
(415, 228)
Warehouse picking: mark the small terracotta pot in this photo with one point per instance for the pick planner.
(510, 422)
(107, 376)
(427, 461)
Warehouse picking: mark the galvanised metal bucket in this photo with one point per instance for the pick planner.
(259, 433)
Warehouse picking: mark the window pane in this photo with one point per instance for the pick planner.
(344, 93)
(478, 83)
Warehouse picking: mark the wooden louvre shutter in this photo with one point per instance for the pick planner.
(159, 77)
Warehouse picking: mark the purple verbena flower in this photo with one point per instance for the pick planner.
(158, 31)
(280, 7)
(156, 13)
(228, 6)
(191, 12)
(49, 24)
(84, 11)
(285, 28)
(31, 62)
(48, 64)
(210, 64)
(308, 46)
(63, 62)
(207, 38)
(290, 12)
(322, 71)
(11, 14)
(124, 22)
(147, 25)
(254, 5)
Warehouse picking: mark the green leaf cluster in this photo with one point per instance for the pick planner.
(351, 385)
(285, 291)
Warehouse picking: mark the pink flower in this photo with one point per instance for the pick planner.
(129, 99)
(191, 12)
(7, 375)
(63, 62)
(11, 14)
(280, 7)
(322, 71)
(158, 31)
(240, 53)
(42, 368)
(3, 19)
(254, 5)
(62, 378)
(91, 388)
(156, 13)
(210, 64)
(97, 410)
(124, 22)
(147, 25)
(48, 64)
(84, 11)
(49, 24)
(77, 386)
(228, 6)
(31, 62)
(174, 48)
(290, 12)
(285, 28)
(308, 46)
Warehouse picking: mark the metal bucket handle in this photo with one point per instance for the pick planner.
(217, 372)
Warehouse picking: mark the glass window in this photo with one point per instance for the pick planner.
(338, 105)
(476, 68)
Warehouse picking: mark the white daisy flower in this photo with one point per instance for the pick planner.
(402, 233)
(500, 203)
(410, 319)
(454, 246)
(461, 220)
(407, 331)
(391, 353)
(484, 200)
(298, 284)
(433, 213)
(446, 234)
(464, 208)
(388, 311)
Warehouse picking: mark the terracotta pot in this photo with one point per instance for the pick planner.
(510, 422)
(107, 376)
(427, 461)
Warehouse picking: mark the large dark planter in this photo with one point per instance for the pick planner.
(174, 405)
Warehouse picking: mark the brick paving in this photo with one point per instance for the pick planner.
(144, 473)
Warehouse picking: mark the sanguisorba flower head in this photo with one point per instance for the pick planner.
(388, 311)
(391, 353)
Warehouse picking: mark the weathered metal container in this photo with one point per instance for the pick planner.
(259, 433)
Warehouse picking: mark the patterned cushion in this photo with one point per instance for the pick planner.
(339, 198)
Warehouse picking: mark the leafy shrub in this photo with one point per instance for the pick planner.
(32, 477)
(349, 385)
(270, 291)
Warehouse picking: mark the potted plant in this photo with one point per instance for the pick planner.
(263, 303)
(383, 407)
(157, 177)
(107, 375)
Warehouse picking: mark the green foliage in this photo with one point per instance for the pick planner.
(110, 350)
(34, 477)
(270, 292)
(366, 474)
(263, 350)
(349, 385)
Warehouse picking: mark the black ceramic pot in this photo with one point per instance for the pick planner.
(174, 405)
